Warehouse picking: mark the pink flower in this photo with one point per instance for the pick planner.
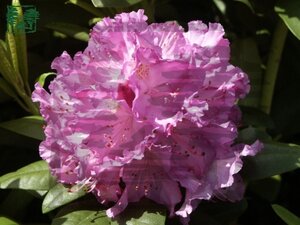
(146, 110)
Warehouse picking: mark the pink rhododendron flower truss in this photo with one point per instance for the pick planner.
(147, 111)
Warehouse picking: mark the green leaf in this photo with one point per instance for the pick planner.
(220, 4)
(289, 12)
(12, 50)
(247, 3)
(86, 6)
(225, 212)
(251, 134)
(148, 218)
(6, 69)
(7, 88)
(94, 21)
(6, 221)
(255, 117)
(90, 217)
(286, 215)
(30, 126)
(114, 3)
(274, 159)
(245, 55)
(60, 195)
(21, 45)
(35, 176)
(144, 212)
(267, 188)
(72, 30)
(41, 79)
(83, 217)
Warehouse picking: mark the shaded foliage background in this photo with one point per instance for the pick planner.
(249, 26)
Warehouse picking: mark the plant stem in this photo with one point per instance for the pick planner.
(273, 63)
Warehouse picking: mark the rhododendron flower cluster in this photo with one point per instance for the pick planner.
(147, 111)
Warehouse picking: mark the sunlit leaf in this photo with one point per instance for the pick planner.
(289, 11)
(94, 20)
(6, 69)
(41, 79)
(148, 218)
(220, 5)
(114, 3)
(21, 45)
(60, 195)
(12, 50)
(72, 30)
(86, 6)
(35, 176)
(286, 215)
(144, 212)
(6, 221)
(274, 159)
(30, 126)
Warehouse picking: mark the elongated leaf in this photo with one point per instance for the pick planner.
(114, 3)
(86, 6)
(35, 176)
(41, 79)
(220, 4)
(247, 3)
(59, 196)
(12, 50)
(275, 158)
(7, 88)
(6, 221)
(289, 12)
(83, 217)
(30, 126)
(72, 30)
(6, 68)
(21, 45)
(286, 215)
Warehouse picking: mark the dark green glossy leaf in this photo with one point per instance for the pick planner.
(289, 11)
(224, 212)
(72, 30)
(267, 188)
(83, 217)
(59, 196)
(144, 212)
(31, 126)
(286, 215)
(245, 55)
(114, 3)
(274, 159)
(251, 134)
(148, 219)
(35, 176)
(254, 117)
